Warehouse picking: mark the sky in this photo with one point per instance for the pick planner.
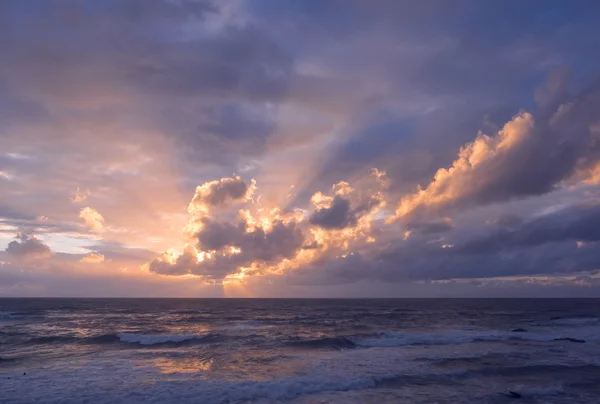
(310, 148)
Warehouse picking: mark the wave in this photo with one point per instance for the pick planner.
(294, 387)
(576, 321)
(65, 339)
(173, 339)
(285, 389)
(474, 358)
(324, 343)
(242, 325)
(19, 315)
(51, 339)
(243, 330)
(540, 391)
(396, 339)
(195, 319)
(6, 316)
(145, 339)
(129, 338)
(189, 311)
(536, 368)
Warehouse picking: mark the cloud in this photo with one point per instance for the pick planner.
(78, 196)
(509, 221)
(221, 243)
(339, 214)
(199, 90)
(63, 278)
(93, 220)
(431, 227)
(220, 193)
(526, 157)
(92, 258)
(346, 207)
(261, 240)
(277, 241)
(225, 248)
(28, 247)
(336, 216)
(560, 242)
(577, 224)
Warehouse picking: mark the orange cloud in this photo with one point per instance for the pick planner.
(93, 220)
(476, 167)
(220, 193)
(93, 258)
(78, 196)
(261, 240)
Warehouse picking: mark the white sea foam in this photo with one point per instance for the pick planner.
(155, 339)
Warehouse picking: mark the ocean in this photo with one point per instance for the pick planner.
(309, 351)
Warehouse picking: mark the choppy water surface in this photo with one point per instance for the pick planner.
(299, 351)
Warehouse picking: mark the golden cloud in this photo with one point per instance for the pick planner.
(93, 219)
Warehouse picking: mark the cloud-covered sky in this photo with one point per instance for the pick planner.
(309, 148)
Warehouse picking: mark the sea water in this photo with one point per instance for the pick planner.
(299, 351)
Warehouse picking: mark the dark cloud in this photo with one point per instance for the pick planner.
(440, 226)
(217, 235)
(579, 223)
(223, 191)
(135, 64)
(7, 211)
(545, 245)
(454, 75)
(27, 247)
(340, 214)
(510, 221)
(238, 62)
(230, 130)
(529, 156)
(228, 247)
(556, 244)
(282, 240)
(337, 216)
(184, 264)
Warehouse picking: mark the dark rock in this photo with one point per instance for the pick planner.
(519, 330)
(514, 394)
(581, 341)
(24, 373)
